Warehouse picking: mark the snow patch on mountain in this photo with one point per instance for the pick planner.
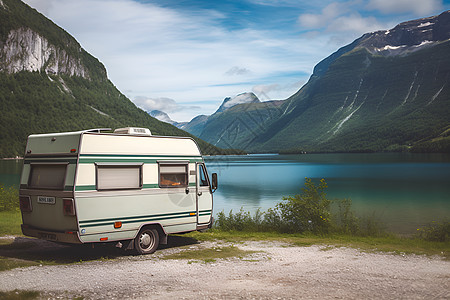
(239, 99)
(425, 24)
(161, 116)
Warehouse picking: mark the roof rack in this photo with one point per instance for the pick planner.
(98, 130)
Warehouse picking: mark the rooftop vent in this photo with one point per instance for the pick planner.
(133, 131)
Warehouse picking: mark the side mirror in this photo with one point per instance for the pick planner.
(214, 184)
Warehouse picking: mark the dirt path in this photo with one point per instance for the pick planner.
(277, 271)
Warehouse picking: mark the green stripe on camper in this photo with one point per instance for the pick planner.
(46, 160)
(205, 212)
(137, 219)
(80, 188)
(112, 158)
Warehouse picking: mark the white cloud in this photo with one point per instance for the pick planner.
(237, 71)
(192, 56)
(328, 13)
(187, 56)
(340, 17)
(43, 6)
(163, 104)
(275, 90)
(418, 7)
(177, 112)
(354, 23)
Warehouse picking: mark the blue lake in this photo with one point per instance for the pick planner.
(405, 191)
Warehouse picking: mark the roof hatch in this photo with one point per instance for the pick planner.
(133, 131)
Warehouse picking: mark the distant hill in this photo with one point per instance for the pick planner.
(49, 83)
(223, 121)
(387, 91)
(239, 99)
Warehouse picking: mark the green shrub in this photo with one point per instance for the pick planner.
(240, 221)
(308, 211)
(9, 199)
(436, 231)
(370, 225)
(344, 219)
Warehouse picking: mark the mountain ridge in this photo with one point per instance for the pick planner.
(386, 91)
(49, 83)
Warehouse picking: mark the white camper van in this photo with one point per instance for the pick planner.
(127, 187)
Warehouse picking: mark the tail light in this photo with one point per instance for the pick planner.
(68, 207)
(25, 204)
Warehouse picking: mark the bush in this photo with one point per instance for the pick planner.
(240, 221)
(9, 199)
(436, 231)
(344, 219)
(308, 211)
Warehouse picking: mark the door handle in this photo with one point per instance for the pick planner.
(199, 193)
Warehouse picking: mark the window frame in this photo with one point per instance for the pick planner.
(183, 163)
(99, 165)
(30, 176)
(202, 169)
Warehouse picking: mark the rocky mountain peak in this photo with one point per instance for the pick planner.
(239, 99)
(160, 115)
(408, 36)
(403, 39)
(26, 50)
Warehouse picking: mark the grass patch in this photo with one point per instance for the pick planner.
(23, 252)
(19, 295)
(12, 263)
(209, 255)
(10, 223)
(390, 244)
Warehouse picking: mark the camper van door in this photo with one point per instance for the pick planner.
(204, 195)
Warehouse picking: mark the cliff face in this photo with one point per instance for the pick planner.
(48, 83)
(26, 50)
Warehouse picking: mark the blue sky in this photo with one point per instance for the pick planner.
(185, 56)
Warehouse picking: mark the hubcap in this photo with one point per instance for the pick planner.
(145, 240)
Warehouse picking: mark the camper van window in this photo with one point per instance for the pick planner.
(118, 177)
(172, 175)
(47, 176)
(203, 178)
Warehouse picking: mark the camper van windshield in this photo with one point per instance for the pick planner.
(51, 176)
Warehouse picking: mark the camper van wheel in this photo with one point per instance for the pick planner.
(146, 241)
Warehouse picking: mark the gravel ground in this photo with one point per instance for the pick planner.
(276, 271)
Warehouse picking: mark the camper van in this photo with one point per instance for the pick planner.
(128, 187)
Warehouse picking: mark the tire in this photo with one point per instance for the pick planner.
(147, 241)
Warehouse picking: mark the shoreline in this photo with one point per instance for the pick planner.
(12, 158)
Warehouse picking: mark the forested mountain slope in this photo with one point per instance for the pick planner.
(387, 91)
(48, 83)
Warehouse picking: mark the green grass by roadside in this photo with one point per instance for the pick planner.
(10, 223)
(208, 255)
(19, 295)
(389, 244)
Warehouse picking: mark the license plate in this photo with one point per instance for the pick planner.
(47, 236)
(46, 200)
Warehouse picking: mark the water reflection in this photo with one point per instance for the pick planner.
(10, 172)
(403, 190)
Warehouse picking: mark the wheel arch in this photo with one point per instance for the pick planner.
(161, 231)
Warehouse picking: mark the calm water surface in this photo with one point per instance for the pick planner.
(405, 191)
